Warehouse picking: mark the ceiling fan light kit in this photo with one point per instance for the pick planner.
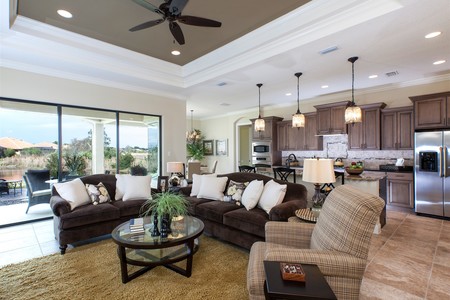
(298, 119)
(170, 11)
(259, 123)
(353, 113)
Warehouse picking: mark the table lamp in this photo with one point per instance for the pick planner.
(318, 171)
(175, 169)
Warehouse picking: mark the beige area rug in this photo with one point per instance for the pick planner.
(93, 272)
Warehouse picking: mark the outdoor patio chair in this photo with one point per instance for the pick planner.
(4, 187)
(38, 190)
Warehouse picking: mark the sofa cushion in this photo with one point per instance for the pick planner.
(212, 188)
(120, 185)
(250, 221)
(129, 208)
(98, 193)
(252, 194)
(137, 187)
(193, 202)
(197, 183)
(273, 194)
(235, 190)
(89, 214)
(73, 192)
(214, 210)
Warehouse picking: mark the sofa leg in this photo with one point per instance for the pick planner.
(63, 249)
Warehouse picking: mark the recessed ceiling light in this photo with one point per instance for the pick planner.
(64, 13)
(288, 94)
(176, 52)
(373, 76)
(432, 34)
(324, 86)
(439, 62)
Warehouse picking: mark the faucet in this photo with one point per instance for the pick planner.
(289, 160)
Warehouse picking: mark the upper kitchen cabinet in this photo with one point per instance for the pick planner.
(331, 118)
(397, 128)
(432, 111)
(312, 141)
(290, 138)
(270, 131)
(366, 135)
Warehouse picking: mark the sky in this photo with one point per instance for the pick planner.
(39, 127)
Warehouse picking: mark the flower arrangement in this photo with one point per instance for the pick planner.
(194, 144)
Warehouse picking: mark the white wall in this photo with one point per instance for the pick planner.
(224, 126)
(40, 88)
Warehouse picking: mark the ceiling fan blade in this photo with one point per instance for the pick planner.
(149, 6)
(146, 25)
(197, 21)
(176, 32)
(176, 6)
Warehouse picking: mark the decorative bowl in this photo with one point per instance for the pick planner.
(354, 171)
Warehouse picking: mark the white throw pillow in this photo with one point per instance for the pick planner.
(120, 185)
(137, 187)
(74, 192)
(212, 188)
(252, 193)
(197, 182)
(273, 194)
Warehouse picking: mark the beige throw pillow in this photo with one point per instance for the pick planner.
(73, 192)
(252, 193)
(272, 195)
(212, 187)
(197, 182)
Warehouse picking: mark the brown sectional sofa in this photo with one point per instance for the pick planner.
(89, 221)
(236, 224)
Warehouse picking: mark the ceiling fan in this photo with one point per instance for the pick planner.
(171, 10)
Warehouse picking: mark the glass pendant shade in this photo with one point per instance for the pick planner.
(298, 119)
(260, 125)
(353, 113)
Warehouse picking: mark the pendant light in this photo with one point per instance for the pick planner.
(192, 135)
(259, 123)
(298, 119)
(353, 113)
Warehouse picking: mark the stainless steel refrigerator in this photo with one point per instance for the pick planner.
(432, 173)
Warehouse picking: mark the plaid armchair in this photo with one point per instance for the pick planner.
(338, 243)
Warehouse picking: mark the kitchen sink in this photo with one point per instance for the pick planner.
(394, 168)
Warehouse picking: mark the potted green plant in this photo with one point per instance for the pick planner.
(194, 145)
(165, 206)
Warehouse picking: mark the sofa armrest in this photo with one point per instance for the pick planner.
(297, 235)
(186, 190)
(330, 263)
(59, 206)
(285, 210)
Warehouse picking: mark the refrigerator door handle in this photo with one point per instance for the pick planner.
(444, 155)
(441, 162)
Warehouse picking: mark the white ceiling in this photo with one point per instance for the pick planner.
(387, 35)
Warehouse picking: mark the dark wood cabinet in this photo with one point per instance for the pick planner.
(312, 141)
(432, 111)
(270, 132)
(366, 135)
(400, 189)
(331, 118)
(397, 128)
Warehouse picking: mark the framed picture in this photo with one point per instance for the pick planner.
(222, 147)
(163, 183)
(208, 146)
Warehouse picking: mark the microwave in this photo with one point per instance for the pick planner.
(261, 148)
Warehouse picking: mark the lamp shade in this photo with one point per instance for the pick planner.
(317, 170)
(353, 114)
(260, 124)
(175, 167)
(298, 120)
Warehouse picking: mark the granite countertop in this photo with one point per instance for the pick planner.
(366, 176)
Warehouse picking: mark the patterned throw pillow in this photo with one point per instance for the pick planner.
(235, 191)
(98, 193)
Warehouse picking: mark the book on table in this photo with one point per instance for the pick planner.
(137, 223)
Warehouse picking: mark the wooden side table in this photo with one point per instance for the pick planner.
(314, 287)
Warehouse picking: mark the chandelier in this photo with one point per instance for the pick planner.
(353, 113)
(259, 123)
(298, 119)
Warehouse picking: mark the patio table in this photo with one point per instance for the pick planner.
(15, 183)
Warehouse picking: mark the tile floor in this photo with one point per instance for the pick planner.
(410, 259)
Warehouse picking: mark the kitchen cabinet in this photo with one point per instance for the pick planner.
(397, 128)
(432, 111)
(312, 141)
(270, 131)
(289, 138)
(366, 135)
(331, 118)
(400, 189)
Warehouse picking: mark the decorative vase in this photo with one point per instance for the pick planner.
(316, 211)
(155, 231)
(165, 226)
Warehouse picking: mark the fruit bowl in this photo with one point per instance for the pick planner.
(355, 171)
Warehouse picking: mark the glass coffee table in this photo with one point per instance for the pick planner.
(144, 250)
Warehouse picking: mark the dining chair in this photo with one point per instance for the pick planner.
(284, 173)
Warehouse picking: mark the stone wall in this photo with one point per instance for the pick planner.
(336, 146)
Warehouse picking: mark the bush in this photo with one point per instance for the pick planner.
(9, 152)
